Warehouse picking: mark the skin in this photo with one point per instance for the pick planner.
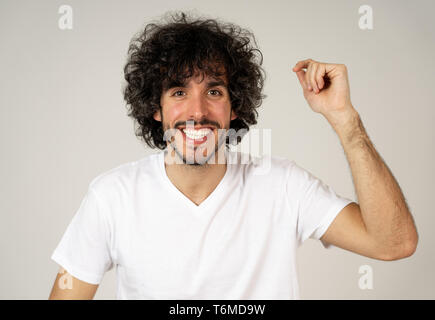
(67, 287)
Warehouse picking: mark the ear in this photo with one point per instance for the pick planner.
(157, 115)
(233, 115)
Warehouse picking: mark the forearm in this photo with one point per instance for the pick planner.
(383, 206)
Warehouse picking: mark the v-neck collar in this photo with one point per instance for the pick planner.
(182, 198)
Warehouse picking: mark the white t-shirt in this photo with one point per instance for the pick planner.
(239, 243)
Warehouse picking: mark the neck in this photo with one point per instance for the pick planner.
(196, 182)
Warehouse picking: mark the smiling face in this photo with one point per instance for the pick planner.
(200, 112)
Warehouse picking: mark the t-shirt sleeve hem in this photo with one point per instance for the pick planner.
(329, 218)
(75, 272)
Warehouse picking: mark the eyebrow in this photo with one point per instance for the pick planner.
(176, 84)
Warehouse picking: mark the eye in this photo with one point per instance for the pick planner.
(176, 93)
(215, 92)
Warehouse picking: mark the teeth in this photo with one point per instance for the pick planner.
(196, 134)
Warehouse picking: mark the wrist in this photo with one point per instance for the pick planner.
(342, 120)
(347, 124)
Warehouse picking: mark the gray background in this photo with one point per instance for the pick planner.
(63, 121)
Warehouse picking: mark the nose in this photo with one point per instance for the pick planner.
(197, 108)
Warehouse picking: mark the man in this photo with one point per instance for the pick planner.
(182, 223)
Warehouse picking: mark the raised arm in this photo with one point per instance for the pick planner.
(381, 225)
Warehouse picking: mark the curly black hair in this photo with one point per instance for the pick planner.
(174, 51)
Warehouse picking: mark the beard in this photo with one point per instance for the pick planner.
(201, 155)
(201, 160)
(186, 152)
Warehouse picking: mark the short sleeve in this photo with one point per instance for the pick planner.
(316, 203)
(84, 248)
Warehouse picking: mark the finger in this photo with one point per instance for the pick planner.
(313, 74)
(308, 77)
(301, 64)
(301, 78)
(321, 71)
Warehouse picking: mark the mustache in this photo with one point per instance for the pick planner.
(203, 122)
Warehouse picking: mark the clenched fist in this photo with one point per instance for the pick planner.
(326, 89)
